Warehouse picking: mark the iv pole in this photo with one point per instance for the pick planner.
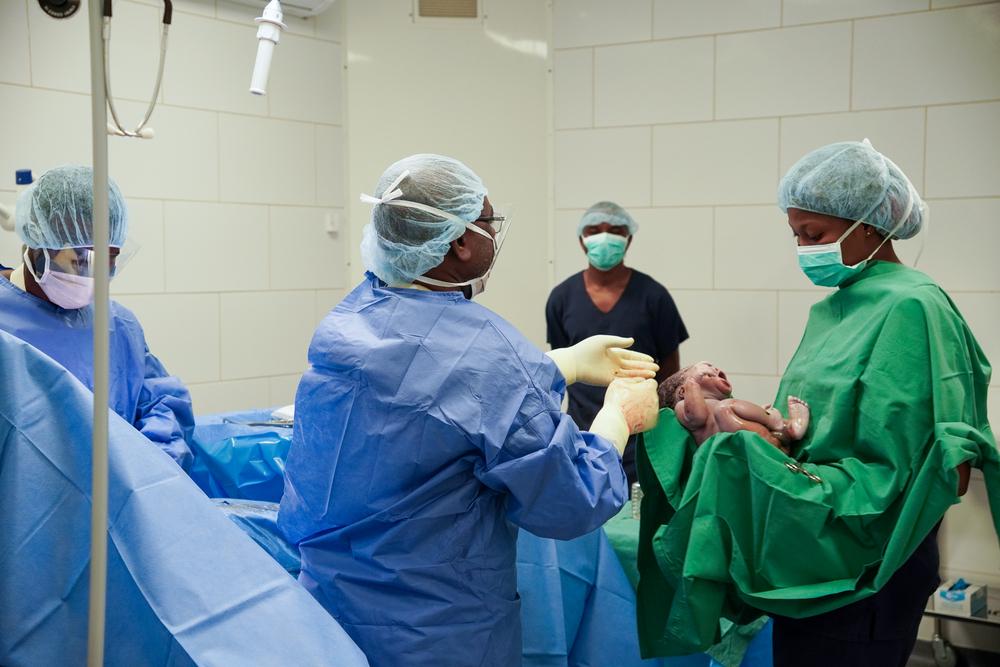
(99, 452)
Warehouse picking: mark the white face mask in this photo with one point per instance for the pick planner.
(477, 285)
(63, 289)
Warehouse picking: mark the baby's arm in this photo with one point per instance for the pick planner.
(692, 410)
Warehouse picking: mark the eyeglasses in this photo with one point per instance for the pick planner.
(496, 222)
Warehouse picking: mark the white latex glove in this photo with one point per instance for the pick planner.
(600, 359)
(630, 406)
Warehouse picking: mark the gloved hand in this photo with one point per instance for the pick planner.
(630, 406)
(600, 359)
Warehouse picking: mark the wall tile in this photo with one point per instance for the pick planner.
(330, 160)
(714, 163)
(591, 165)
(674, 245)
(144, 273)
(330, 24)
(573, 84)
(677, 18)
(568, 257)
(135, 52)
(306, 81)
(27, 119)
(944, 4)
(655, 82)
(982, 312)
(267, 161)
(216, 247)
(928, 58)
(589, 22)
(266, 333)
(215, 82)
(282, 390)
(303, 254)
(182, 162)
(771, 264)
(810, 11)
(734, 330)
(182, 331)
(760, 389)
(326, 299)
(793, 313)
(69, 38)
(782, 72)
(238, 395)
(898, 134)
(963, 150)
(962, 256)
(15, 55)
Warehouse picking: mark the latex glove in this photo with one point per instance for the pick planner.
(630, 406)
(600, 359)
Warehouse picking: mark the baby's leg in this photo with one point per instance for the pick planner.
(736, 415)
(748, 411)
(798, 418)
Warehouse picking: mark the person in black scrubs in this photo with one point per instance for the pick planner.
(608, 297)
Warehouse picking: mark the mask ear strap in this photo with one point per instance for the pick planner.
(31, 265)
(923, 235)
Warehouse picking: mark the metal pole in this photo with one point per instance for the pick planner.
(99, 451)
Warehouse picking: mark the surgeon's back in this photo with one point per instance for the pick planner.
(424, 423)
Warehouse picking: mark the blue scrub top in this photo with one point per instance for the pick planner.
(141, 391)
(426, 429)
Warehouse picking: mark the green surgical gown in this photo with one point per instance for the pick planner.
(897, 387)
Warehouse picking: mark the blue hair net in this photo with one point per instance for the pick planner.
(852, 180)
(57, 210)
(402, 242)
(609, 212)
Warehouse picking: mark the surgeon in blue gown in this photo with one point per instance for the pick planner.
(46, 301)
(428, 429)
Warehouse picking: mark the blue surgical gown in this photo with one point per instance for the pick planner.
(141, 391)
(426, 429)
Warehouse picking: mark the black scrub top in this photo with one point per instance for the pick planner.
(645, 312)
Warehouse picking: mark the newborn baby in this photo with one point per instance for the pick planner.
(701, 397)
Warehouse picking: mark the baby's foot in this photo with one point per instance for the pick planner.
(798, 418)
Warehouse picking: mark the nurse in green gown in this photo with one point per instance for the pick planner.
(836, 542)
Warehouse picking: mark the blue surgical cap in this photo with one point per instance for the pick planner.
(57, 210)
(609, 212)
(852, 180)
(402, 243)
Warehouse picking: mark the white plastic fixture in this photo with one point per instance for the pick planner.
(303, 8)
(268, 35)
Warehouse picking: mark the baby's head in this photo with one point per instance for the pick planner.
(713, 383)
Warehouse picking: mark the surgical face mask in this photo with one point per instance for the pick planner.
(605, 251)
(824, 264)
(476, 285)
(66, 290)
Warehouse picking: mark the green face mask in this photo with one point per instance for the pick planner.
(605, 251)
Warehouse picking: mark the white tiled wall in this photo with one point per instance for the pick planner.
(231, 202)
(732, 93)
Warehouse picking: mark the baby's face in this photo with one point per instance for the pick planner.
(712, 380)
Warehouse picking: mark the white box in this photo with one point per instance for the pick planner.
(968, 602)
